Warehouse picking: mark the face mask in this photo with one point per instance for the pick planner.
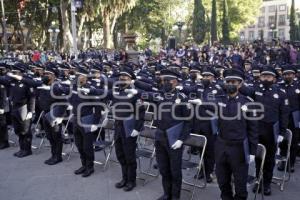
(231, 89)
(205, 82)
(193, 76)
(37, 74)
(267, 84)
(72, 73)
(288, 80)
(167, 87)
(46, 80)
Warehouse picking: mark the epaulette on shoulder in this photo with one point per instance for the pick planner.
(250, 99)
(182, 95)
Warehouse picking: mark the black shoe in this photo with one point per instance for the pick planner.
(49, 160)
(129, 186)
(121, 184)
(18, 153)
(281, 166)
(292, 169)
(209, 179)
(4, 145)
(24, 154)
(255, 188)
(81, 170)
(164, 197)
(55, 161)
(88, 172)
(267, 190)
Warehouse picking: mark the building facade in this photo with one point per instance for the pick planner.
(271, 22)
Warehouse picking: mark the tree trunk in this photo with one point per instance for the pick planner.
(67, 36)
(107, 35)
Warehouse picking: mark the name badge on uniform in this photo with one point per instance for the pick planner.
(258, 93)
(200, 90)
(214, 91)
(276, 96)
(187, 84)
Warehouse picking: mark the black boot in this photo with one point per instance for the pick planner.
(267, 190)
(79, 171)
(88, 172)
(121, 184)
(129, 186)
(4, 145)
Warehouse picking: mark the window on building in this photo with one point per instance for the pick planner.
(270, 35)
(272, 8)
(281, 20)
(271, 21)
(282, 7)
(262, 10)
(261, 34)
(261, 21)
(281, 33)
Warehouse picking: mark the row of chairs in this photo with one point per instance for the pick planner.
(146, 150)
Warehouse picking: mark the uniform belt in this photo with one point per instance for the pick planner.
(229, 142)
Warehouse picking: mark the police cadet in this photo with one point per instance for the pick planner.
(4, 108)
(292, 90)
(204, 123)
(23, 103)
(169, 155)
(85, 122)
(51, 120)
(129, 120)
(272, 127)
(237, 138)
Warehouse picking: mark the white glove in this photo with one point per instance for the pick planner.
(195, 101)
(57, 121)
(29, 116)
(134, 133)
(94, 128)
(280, 138)
(1, 111)
(177, 144)
(179, 87)
(84, 90)
(44, 87)
(131, 91)
(17, 77)
(252, 158)
(70, 107)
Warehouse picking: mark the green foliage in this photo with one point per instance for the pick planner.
(199, 28)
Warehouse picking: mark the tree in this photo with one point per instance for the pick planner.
(111, 10)
(293, 25)
(199, 25)
(225, 24)
(213, 29)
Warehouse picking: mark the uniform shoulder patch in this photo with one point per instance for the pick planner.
(182, 95)
(282, 90)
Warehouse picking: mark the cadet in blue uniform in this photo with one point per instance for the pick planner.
(272, 127)
(237, 138)
(52, 119)
(4, 108)
(169, 155)
(23, 103)
(129, 121)
(292, 90)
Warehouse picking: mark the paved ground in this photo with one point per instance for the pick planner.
(30, 179)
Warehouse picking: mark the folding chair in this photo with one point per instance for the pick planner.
(36, 130)
(261, 155)
(68, 137)
(107, 123)
(286, 159)
(197, 141)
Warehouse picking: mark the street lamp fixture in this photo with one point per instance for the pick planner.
(53, 31)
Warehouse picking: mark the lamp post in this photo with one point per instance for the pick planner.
(53, 31)
(180, 26)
